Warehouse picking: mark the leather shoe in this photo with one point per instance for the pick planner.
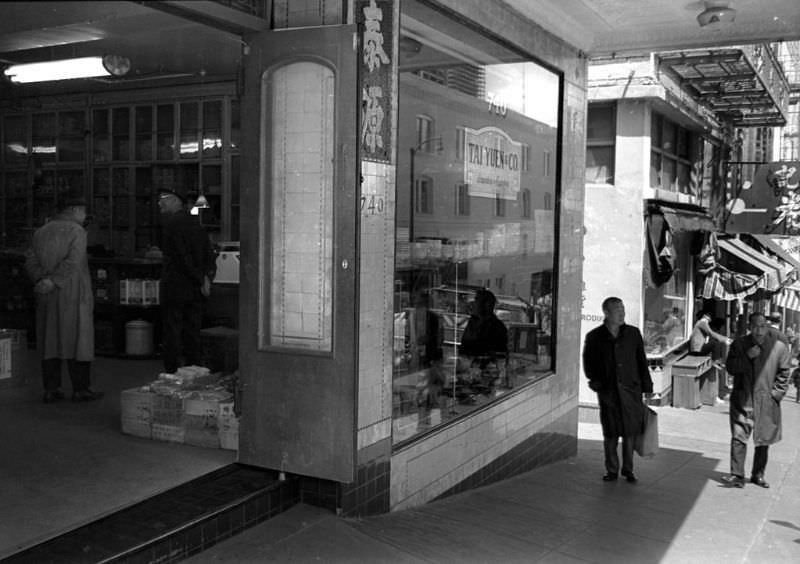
(733, 481)
(630, 477)
(759, 481)
(86, 395)
(609, 477)
(52, 396)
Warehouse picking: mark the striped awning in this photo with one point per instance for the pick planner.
(788, 297)
(775, 273)
(725, 285)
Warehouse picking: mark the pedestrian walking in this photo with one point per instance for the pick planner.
(760, 365)
(616, 366)
(58, 265)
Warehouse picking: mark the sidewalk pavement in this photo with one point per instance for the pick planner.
(680, 511)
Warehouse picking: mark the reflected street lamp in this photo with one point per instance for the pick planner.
(412, 154)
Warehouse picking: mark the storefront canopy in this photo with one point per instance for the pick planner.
(775, 274)
(769, 243)
(789, 298)
(686, 220)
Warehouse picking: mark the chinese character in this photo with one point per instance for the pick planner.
(374, 55)
(372, 118)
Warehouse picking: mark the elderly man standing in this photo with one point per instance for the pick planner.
(760, 365)
(59, 268)
(616, 366)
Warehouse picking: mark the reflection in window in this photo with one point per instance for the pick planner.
(665, 306)
(457, 347)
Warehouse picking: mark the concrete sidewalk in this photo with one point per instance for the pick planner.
(679, 511)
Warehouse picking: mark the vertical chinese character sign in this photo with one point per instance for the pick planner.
(375, 69)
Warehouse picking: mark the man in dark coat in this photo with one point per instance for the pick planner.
(188, 269)
(616, 366)
(760, 364)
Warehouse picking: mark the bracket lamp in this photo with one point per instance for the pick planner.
(67, 69)
(716, 15)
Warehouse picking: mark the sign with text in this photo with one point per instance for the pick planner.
(492, 163)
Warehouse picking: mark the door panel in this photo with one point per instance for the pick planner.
(298, 249)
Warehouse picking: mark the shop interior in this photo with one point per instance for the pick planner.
(168, 115)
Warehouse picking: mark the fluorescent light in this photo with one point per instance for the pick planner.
(65, 69)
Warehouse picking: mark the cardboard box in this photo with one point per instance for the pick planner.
(6, 358)
(136, 409)
(201, 430)
(167, 409)
(169, 433)
(228, 425)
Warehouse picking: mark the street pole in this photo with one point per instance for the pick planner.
(412, 154)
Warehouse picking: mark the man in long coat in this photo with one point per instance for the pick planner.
(616, 366)
(59, 268)
(760, 365)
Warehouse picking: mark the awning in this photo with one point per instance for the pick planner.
(775, 274)
(768, 242)
(739, 84)
(727, 286)
(681, 219)
(788, 298)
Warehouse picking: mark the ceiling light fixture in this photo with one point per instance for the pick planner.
(716, 15)
(67, 69)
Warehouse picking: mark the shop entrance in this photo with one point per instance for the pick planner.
(298, 289)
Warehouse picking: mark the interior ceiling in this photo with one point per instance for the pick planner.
(162, 44)
(603, 27)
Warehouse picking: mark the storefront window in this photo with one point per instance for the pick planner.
(665, 306)
(475, 239)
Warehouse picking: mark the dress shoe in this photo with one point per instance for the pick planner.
(86, 395)
(609, 477)
(759, 481)
(733, 481)
(630, 477)
(53, 396)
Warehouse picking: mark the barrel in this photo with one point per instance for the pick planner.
(138, 337)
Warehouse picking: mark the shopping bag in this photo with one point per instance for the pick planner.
(646, 444)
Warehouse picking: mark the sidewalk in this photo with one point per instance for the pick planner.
(679, 512)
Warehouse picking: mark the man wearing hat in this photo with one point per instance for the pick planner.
(59, 268)
(189, 267)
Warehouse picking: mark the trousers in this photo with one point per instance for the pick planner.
(79, 373)
(738, 455)
(181, 325)
(612, 458)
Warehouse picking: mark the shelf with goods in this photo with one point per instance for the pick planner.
(44, 155)
(115, 282)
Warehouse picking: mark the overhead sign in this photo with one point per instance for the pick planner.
(492, 163)
(768, 205)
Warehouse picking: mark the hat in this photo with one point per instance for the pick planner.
(177, 192)
(69, 199)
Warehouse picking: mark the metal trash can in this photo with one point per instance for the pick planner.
(139, 338)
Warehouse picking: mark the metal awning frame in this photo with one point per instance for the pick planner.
(742, 85)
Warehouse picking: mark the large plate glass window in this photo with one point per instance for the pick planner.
(477, 146)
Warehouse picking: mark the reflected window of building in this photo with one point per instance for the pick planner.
(424, 196)
(600, 141)
(473, 315)
(462, 199)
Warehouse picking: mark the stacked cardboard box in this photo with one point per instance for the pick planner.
(11, 343)
(189, 407)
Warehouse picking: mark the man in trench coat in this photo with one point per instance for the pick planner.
(616, 366)
(59, 268)
(760, 365)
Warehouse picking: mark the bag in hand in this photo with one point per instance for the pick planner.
(646, 444)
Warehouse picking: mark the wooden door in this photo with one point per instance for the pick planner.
(298, 294)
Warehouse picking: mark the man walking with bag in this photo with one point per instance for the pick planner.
(760, 365)
(616, 366)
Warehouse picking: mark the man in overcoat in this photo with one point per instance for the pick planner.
(760, 364)
(614, 361)
(58, 265)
